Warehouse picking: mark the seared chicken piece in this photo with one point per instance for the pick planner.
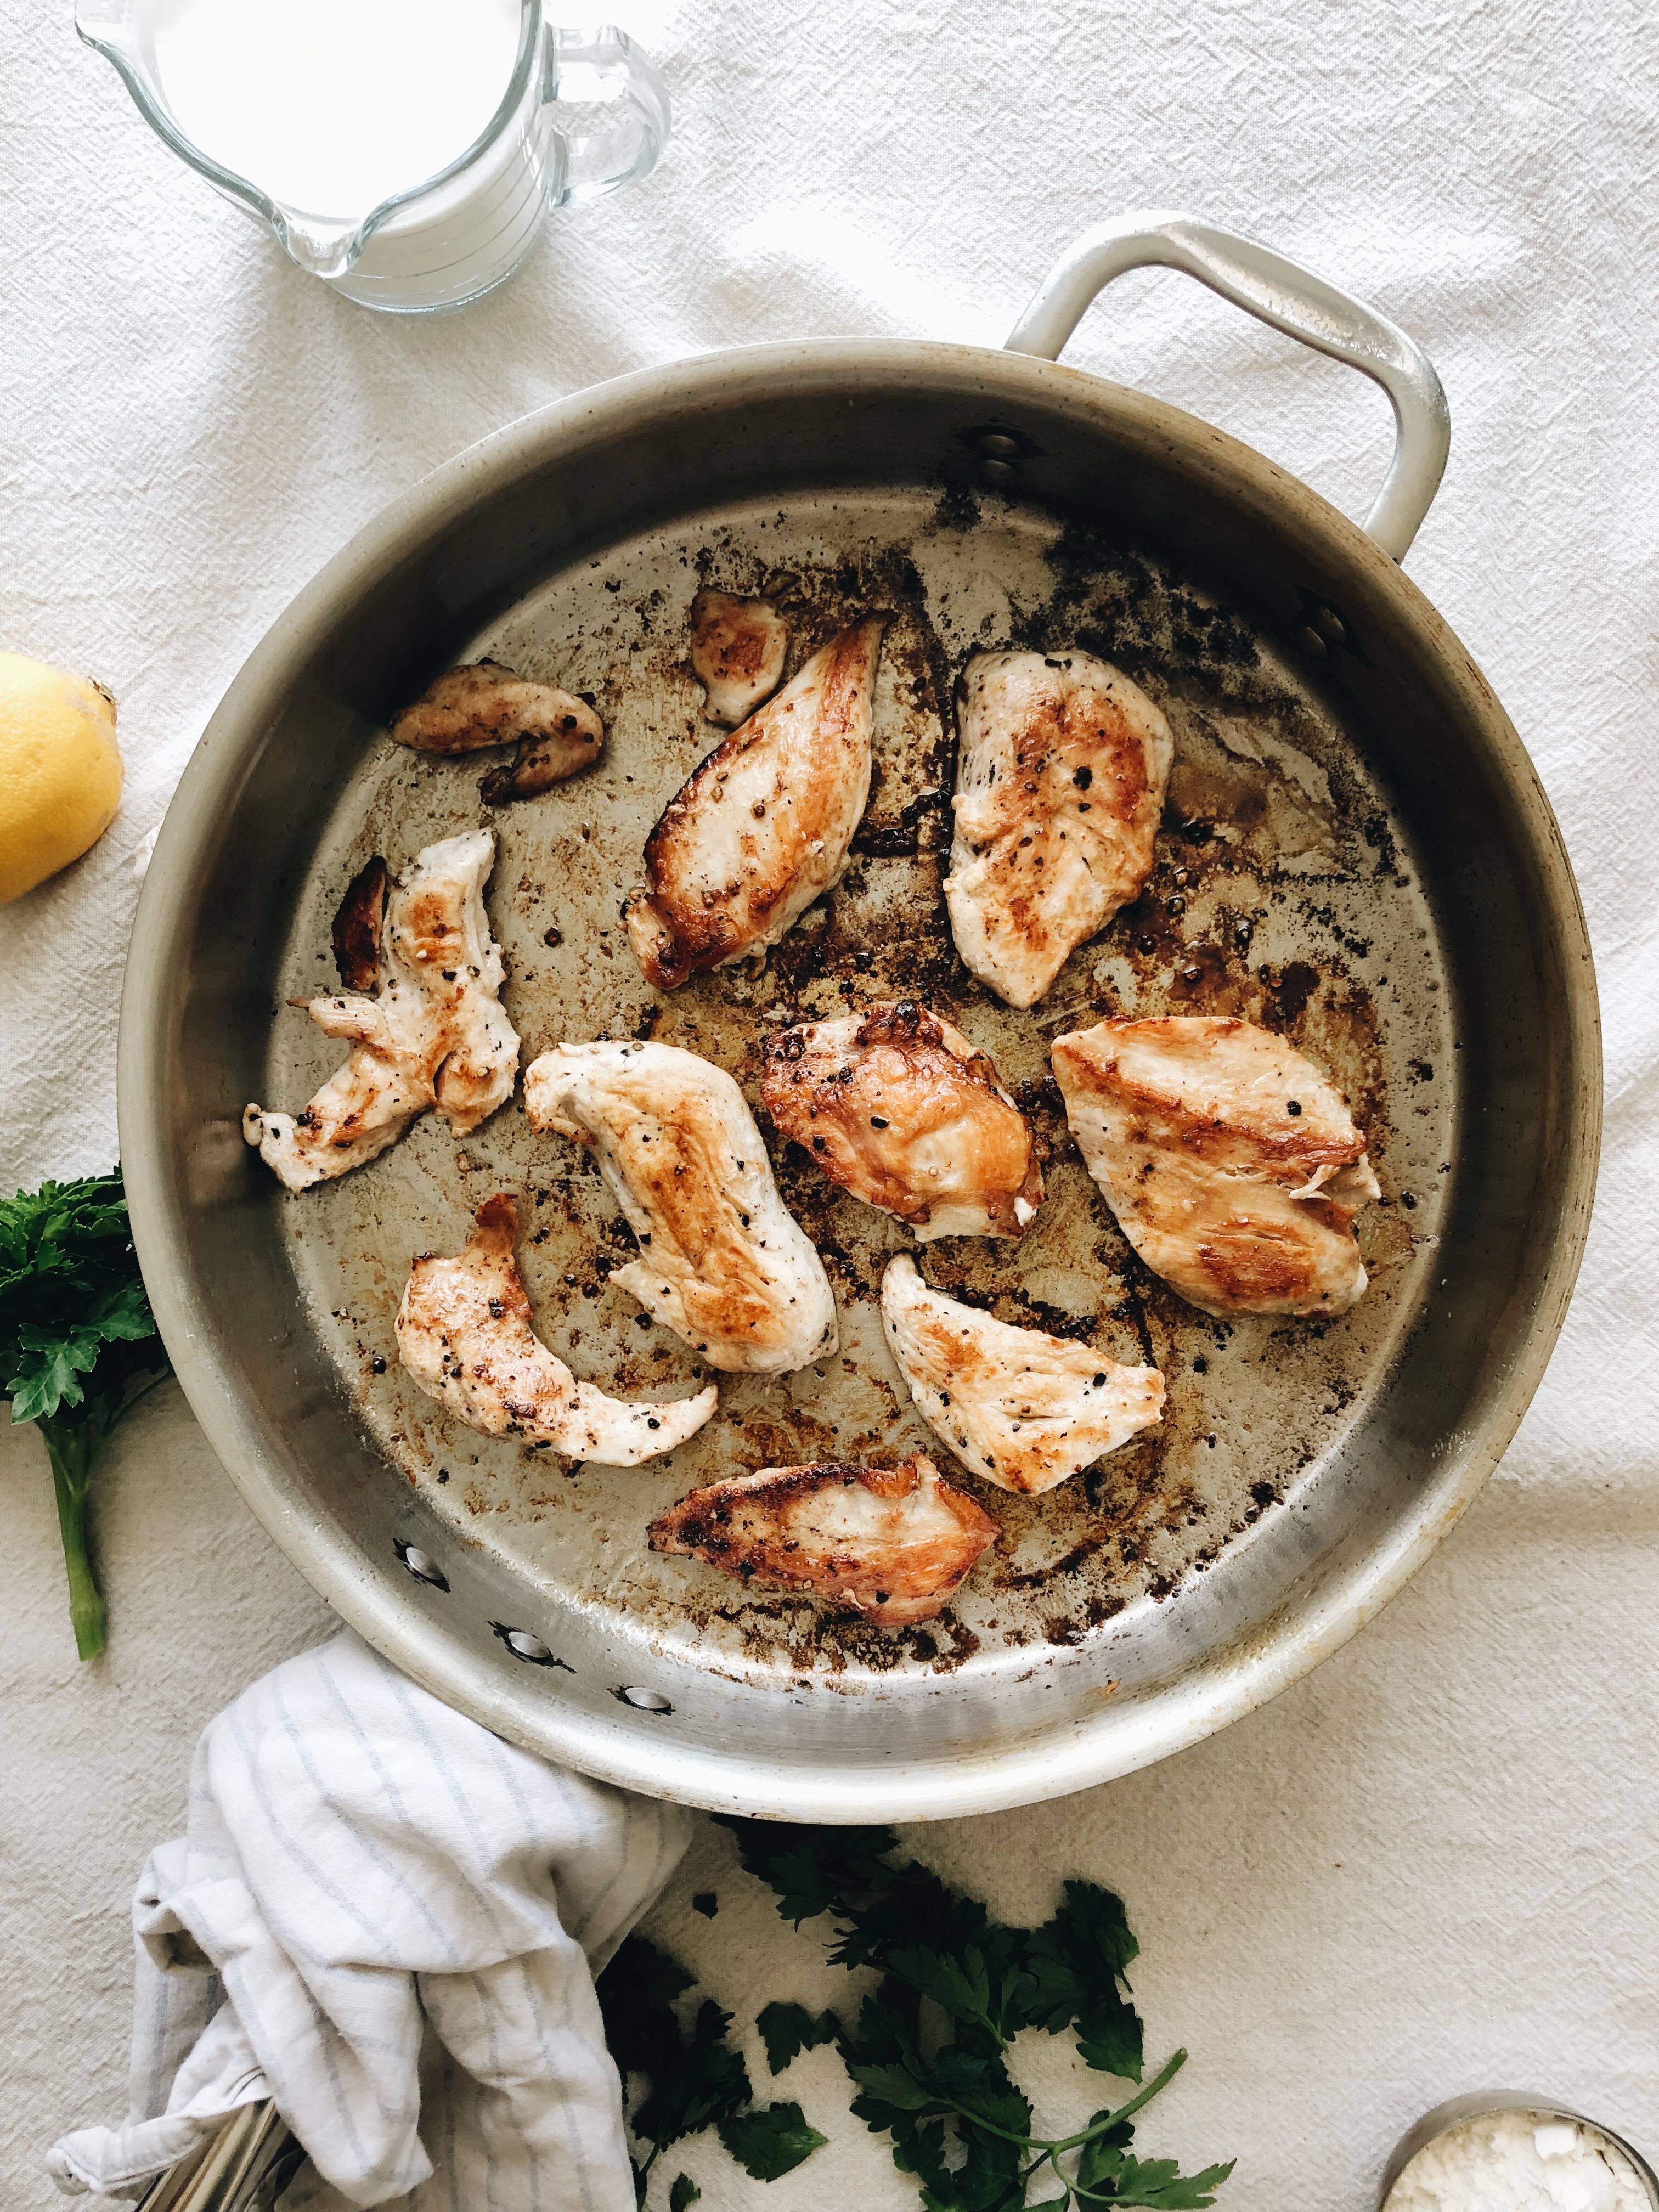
(1232, 1165)
(764, 824)
(721, 1262)
(737, 654)
(890, 1544)
(898, 1107)
(1023, 1409)
(1060, 774)
(464, 1334)
(486, 704)
(436, 1035)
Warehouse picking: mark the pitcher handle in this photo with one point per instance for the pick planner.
(602, 68)
(1292, 299)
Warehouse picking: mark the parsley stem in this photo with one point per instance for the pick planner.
(1045, 2150)
(71, 1448)
(1144, 2096)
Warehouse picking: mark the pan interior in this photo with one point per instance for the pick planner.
(1286, 889)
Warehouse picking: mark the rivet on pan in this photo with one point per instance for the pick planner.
(646, 1701)
(420, 1564)
(531, 1648)
(1311, 641)
(998, 444)
(998, 472)
(1328, 623)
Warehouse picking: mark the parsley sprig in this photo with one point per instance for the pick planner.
(928, 2053)
(75, 1334)
(688, 2077)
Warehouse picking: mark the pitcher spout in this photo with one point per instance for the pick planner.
(325, 245)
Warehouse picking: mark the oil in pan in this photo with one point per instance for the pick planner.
(1283, 891)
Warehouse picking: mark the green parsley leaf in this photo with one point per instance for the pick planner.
(960, 1987)
(787, 2030)
(50, 1362)
(75, 1334)
(1157, 2182)
(691, 2082)
(810, 1870)
(708, 2085)
(895, 2086)
(1076, 1967)
(1100, 2159)
(684, 2192)
(772, 2141)
(926, 2053)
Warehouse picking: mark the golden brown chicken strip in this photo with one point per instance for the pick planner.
(484, 704)
(435, 1033)
(1022, 1408)
(890, 1544)
(765, 823)
(738, 647)
(1232, 1165)
(1061, 770)
(899, 1108)
(722, 1261)
(464, 1334)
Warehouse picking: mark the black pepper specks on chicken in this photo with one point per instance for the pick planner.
(482, 704)
(1024, 1409)
(892, 1545)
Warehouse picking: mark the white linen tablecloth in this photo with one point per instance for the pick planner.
(1429, 1866)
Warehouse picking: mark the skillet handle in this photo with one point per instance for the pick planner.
(1291, 299)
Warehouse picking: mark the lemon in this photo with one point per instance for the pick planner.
(60, 771)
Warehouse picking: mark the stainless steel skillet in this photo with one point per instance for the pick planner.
(1357, 852)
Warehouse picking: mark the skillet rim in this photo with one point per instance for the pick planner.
(1229, 1682)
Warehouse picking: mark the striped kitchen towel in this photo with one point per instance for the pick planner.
(389, 1921)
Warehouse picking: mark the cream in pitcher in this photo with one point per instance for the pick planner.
(405, 151)
(334, 105)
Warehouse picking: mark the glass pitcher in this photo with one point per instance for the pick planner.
(584, 112)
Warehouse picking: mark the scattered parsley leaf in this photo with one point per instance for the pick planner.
(684, 2192)
(1100, 2159)
(1078, 1963)
(787, 2030)
(809, 1868)
(709, 2083)
(771, 2141)
(690, 2080)
(75, 1334)
(960, 1987)
(926, 2053)
(708, 1904)
(895, 2086)
(1156, 2182)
